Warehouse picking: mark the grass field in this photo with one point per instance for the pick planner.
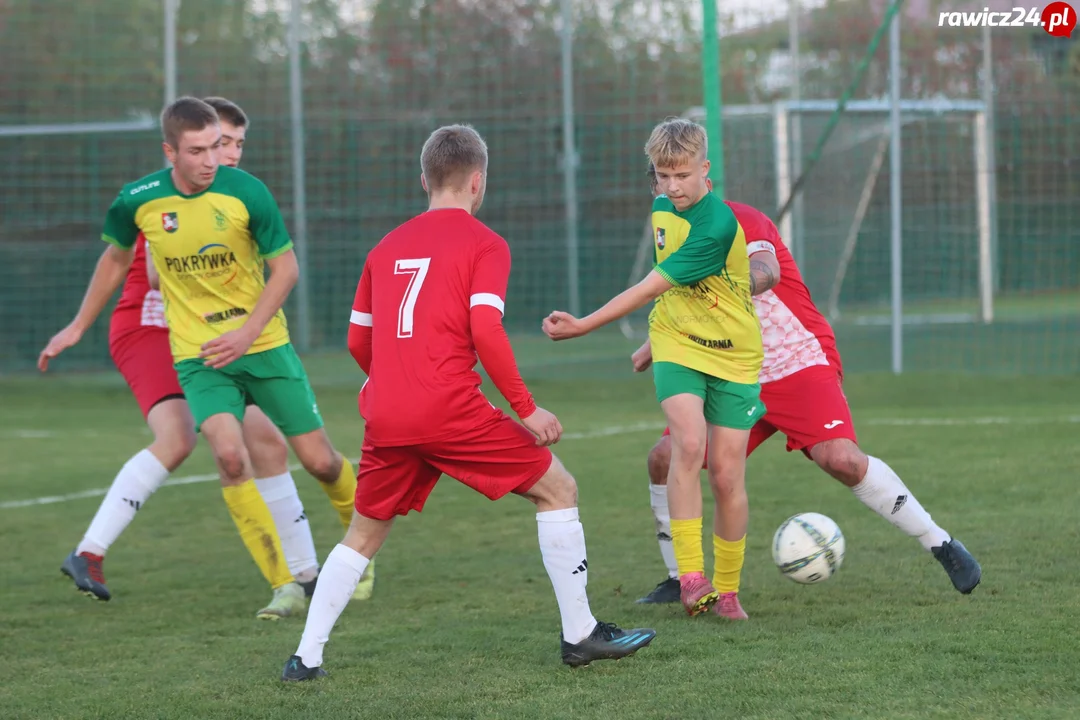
(463, 623)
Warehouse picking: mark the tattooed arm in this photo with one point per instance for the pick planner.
(764, 272)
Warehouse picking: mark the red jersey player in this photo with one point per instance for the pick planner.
(801, 386)
(139, 345)
(428, 305)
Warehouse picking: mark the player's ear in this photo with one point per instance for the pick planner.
(170, 153)
(476, 182)
(706, 166)
(423, 183)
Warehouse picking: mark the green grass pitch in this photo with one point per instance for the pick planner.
(464, 624)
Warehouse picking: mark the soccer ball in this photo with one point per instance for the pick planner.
(808, 548)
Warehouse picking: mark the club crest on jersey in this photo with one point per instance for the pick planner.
(170, 222)
(661, 239)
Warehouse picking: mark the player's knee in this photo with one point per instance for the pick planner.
(660, 460)
(232, 462)
(269, 455)
(556, 490)
(842, 459)
(185, 442)
(324, 466)
(728, 480)
(690, 448)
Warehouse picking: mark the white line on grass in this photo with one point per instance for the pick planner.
(1068, 419)
(587, 435)
(212, 477)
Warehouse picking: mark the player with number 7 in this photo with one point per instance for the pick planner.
(429, 305)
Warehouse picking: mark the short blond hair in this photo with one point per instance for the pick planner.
(676, 141)
(450, 155)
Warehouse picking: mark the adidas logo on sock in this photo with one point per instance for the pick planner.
(663, 536)
(582, 567)
(302, 518)
(900, 500)
(133, 503)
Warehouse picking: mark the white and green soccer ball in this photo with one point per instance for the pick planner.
(808, 548)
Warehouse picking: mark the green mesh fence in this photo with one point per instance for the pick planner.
(379, 75)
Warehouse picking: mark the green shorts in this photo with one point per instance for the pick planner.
(273, 379)
(727, 404)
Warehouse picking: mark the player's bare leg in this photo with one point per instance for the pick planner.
(251, 515)
(667, 591)
(270, 462)
(879, 488)
(337, 478)
(688, 434)
(562, 546)
(337, 582)
(174, 440)
(727, 478)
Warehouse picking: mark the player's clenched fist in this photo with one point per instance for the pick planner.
(544, 425)
(642, 357)
(562, 326)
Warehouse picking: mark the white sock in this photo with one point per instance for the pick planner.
(279, 494)
(562, 545)
(884, 492)
(136, 481)
(337, 582)
(663, 527)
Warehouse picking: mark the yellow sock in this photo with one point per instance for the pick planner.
(686, 538)
(342, 492)
(257, 530)
(729, 556)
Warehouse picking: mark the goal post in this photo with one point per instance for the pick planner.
(947, 178)
(940, 178)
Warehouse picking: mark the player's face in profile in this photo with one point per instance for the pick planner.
(232, 144)
(684, 183)
(195, 158)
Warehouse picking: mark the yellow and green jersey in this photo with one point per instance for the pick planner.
(208, 249)
(707, 321)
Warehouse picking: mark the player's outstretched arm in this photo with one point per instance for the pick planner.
(109, 274)
(563, 326)
(284, 272)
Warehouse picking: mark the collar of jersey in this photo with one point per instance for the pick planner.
(193, 195)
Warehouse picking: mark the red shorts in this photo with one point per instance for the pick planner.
(809, 407)
(496, 458)
(145, 360)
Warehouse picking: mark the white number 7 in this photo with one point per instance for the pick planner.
(418, 270)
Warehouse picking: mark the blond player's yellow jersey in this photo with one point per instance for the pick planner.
(208, 249)
(707, 321)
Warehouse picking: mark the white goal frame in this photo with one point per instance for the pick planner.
(782, 115)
